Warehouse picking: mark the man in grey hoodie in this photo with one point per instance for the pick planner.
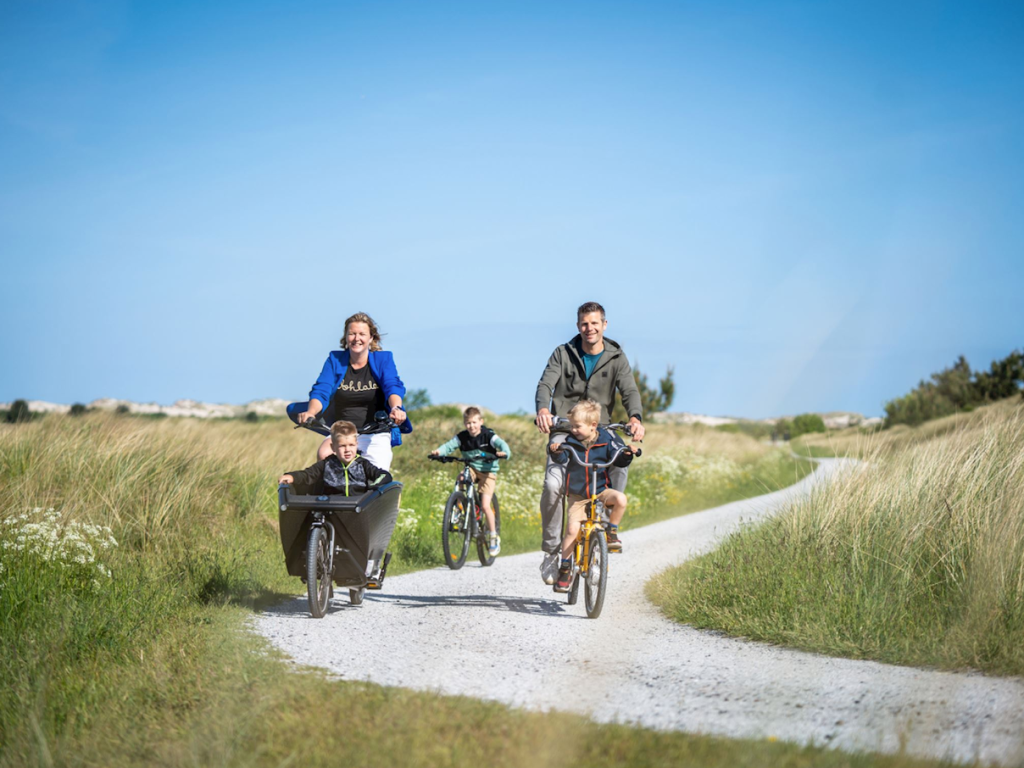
(587, 367)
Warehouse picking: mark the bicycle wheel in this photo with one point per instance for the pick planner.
(455, 530)
(482, 548)
(318, 580)
(574, 590)
(355, 596)
(597, 574)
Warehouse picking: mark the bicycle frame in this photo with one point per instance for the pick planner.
(594, 521)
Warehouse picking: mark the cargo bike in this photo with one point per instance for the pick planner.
(334, 540)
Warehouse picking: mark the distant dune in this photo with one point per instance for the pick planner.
(274, 406)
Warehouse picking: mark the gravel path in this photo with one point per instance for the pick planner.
(500, 633)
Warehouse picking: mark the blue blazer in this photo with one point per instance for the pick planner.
(382, 368)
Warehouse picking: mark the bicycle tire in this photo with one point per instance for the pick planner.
(482, 549)
(318, 581)
(574, 590)
(456, 527)
(597, 574)
(355, 596)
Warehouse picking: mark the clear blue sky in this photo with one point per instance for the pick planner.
(802, 206)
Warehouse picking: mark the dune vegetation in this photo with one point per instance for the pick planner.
(914, 555)
(132, 549)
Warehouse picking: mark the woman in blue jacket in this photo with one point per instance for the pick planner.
(354, 385)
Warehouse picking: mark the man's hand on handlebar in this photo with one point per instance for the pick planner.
(544, 421)
(637, 429)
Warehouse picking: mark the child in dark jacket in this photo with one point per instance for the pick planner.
(595, 445)
(345, 471)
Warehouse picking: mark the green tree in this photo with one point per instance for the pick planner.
(78, 409)
(19, 412)
(806, 423)
(416, 399)
(651, 400)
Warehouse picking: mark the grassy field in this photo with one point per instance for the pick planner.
(916, 556)
(133, 550)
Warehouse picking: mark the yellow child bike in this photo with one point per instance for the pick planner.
(590, 552)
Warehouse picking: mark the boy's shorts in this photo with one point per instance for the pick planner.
(484, 481)
(578, 505)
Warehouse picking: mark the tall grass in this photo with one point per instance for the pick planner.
(915, 556)
(147, 664)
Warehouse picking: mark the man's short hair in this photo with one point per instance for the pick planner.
(471, 412)
(340, 429)
(587, 307)
(586, 411)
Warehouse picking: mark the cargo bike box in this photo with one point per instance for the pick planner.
(338, 540)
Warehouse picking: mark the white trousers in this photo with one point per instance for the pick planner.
(376, 449)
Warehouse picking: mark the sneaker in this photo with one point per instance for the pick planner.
(564, 578)
(493, 544)
(549, 567)
(614, 542)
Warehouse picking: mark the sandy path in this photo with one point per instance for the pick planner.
(435, 630)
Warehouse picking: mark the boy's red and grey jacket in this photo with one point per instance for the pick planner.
(330, 475)
(577, 478)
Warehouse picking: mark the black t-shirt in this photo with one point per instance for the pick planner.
(357, 398)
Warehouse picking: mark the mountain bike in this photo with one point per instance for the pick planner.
(464, 520)
(590, 551)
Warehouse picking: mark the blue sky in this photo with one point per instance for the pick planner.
(801, 206)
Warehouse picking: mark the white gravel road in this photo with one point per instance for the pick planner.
(499, 633)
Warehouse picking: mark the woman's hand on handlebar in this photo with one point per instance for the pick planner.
(305, 416)
(397, 415)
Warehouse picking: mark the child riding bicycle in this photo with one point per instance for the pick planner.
(596, 445)
(345, 471)
(479, 442)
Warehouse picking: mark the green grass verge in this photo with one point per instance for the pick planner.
(148, 665)
(915, 557)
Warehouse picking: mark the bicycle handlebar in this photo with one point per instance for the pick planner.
(464, 460)
(563, 424)
(595, 465)
(378, 426)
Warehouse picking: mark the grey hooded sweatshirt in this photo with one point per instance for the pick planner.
(564, 381)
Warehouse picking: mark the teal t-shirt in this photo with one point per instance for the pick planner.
(589, 361)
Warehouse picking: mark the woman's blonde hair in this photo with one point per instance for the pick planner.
(362, 317)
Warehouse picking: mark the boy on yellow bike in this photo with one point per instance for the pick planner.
(595, 445)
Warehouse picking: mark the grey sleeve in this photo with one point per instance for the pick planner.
(549, 379)
(627, 388)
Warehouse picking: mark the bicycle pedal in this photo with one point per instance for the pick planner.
(373, 585)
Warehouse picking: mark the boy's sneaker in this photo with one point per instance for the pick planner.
(493, 544)
(564, 578)
(549, 567)
(614, 542)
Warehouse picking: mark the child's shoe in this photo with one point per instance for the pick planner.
(564, 580)
(493, 544)
(614, 542)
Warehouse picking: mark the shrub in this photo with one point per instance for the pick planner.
(415, 399)
(805, 423)
(19, 412)
(78, 409)
(122, 410)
